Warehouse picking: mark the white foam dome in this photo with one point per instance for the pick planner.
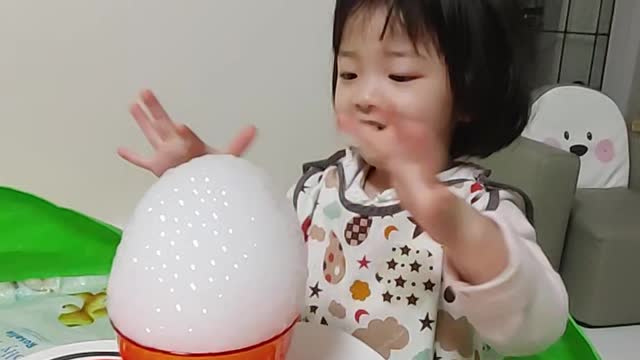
(212, 260)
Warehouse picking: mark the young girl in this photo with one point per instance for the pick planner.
(411, 251)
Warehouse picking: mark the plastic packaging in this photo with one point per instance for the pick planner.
(31, 325)
(7, 293)
(16, 343)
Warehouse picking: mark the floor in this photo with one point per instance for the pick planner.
(616, 343)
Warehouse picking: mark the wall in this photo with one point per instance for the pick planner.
(70, 68)
(623, 59)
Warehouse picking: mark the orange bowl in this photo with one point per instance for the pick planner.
(273, 349)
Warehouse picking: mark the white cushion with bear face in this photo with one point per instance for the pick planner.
(588, 124)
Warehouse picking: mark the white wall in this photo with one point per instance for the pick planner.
(623, 58)
(69, 69)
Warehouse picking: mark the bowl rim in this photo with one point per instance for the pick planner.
(279, 336)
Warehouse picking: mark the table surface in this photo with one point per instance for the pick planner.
(310, 342)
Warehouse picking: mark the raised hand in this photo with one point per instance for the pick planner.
(173, 144)
(414, 154)
(411, 153)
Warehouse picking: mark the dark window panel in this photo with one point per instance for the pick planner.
(573, 40)
(555, 14)
(576, 58)
(606, 17)
(549, 47)
(583, 16)
(600, 55)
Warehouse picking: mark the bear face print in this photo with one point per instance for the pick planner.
(588, 124)
(602, 149)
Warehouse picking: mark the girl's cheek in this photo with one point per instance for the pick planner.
(605, 151)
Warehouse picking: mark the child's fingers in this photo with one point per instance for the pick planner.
(413, 133)
(134, 158)
(186, 134)
(241, 143)
(402, 127)
(365, 135)
(162, 121)
(423, 145)
(145, 125)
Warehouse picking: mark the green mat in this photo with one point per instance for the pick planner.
(41, 240)
(572, 346)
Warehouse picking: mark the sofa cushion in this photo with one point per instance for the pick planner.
(601, 257)
(548, 176)
(609, 214)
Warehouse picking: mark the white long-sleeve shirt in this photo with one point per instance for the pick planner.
(374, 273)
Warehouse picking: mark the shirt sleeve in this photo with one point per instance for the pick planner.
(524, 310)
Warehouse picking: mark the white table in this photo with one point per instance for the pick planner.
(310, 342)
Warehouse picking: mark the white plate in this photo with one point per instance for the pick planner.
(317, 342)
(94, 350)
(310, 342)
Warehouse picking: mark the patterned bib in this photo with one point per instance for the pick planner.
(374, 272)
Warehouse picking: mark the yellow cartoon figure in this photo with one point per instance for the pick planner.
(93, 308)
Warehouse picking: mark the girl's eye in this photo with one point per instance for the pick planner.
(348, 76)
(402, 78)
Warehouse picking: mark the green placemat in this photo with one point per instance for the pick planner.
(574, 345)
(41, 240)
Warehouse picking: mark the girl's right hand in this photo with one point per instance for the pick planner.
(174, 144)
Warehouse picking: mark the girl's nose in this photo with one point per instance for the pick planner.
(365, 108)
(366, 98)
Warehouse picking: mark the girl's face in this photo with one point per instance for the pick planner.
(389, 75)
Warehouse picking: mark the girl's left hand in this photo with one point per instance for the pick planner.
(413, 156)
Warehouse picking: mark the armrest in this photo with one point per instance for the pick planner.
(549, 177)
(634, 157)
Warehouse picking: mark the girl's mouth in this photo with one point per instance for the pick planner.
(375, 124)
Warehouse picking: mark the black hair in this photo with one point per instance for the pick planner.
(486, 46)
